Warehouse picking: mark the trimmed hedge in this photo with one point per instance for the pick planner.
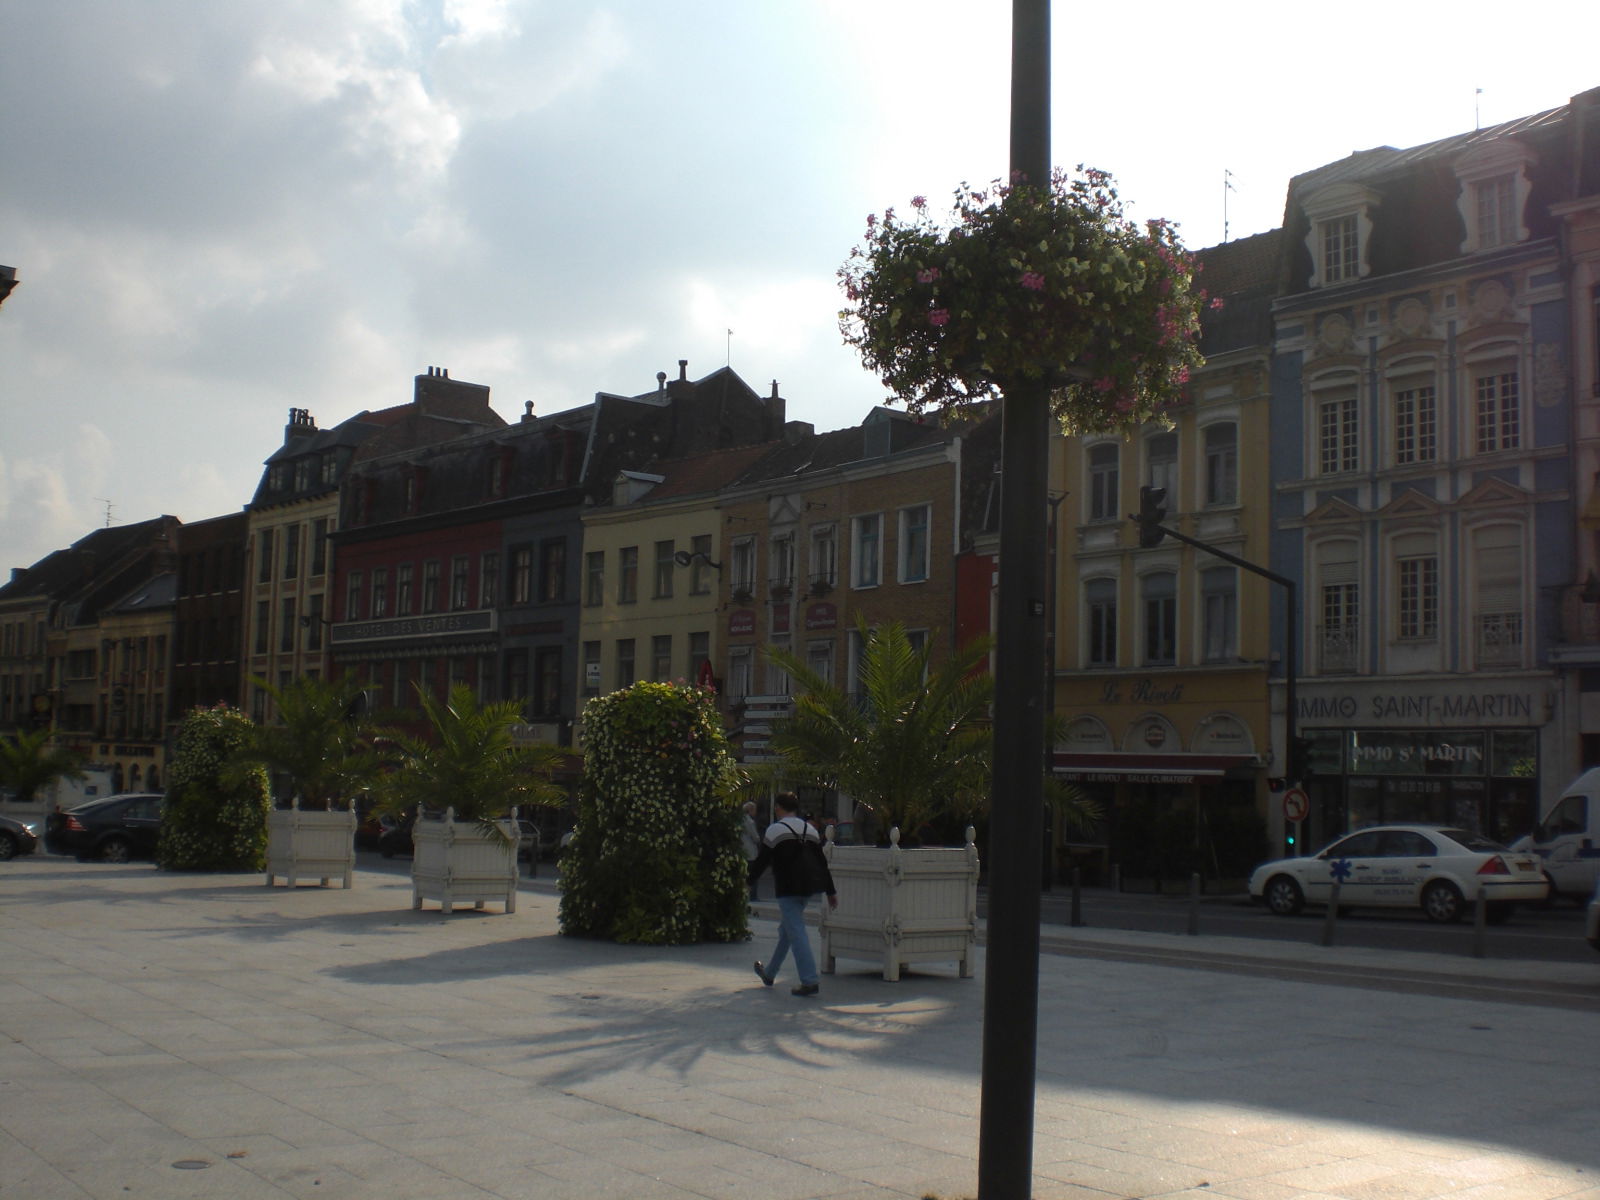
(655, 857)
(215, 818)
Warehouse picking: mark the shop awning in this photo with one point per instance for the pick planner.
(1113, 767)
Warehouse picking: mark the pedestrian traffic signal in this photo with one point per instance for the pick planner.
(1152, 511)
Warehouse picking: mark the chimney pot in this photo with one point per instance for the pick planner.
(683, 370)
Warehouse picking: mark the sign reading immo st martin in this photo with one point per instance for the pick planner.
(1426, 708)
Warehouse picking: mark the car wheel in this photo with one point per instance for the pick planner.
(1283, 896)
(8, 847)
(116, 850)
(1441, 900)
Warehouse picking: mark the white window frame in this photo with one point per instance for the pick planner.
(1497, 172)
(741, 676)
(1416, 609)
(866, 550)
(1414, 408)
(742, 566)
(1497, 420)
(1219, 614)
(1104, 467)
(915, 557)
(1159, 608)
(1100, 621)
(1222, 463)
(1161, 462)
(1338, 430)
(819, 658)
(1339, 232)
(780, 564)
(824, 557)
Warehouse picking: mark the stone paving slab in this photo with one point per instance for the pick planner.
(336, 1044)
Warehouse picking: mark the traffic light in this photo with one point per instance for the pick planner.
(1300, 770)
(1152, 511)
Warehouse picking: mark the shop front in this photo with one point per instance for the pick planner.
(1434, 753)
(1182, 785)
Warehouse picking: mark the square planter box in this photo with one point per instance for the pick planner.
(899, 906)
(459, 862)
(310, 845)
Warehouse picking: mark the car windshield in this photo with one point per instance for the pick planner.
(1475, 842)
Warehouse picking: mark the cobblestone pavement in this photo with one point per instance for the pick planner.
(175, 1036)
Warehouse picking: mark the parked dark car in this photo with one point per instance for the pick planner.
(396, 839)
(370, 831)
(115, 829)
(16, 838)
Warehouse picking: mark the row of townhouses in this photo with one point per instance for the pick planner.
(1398, 421)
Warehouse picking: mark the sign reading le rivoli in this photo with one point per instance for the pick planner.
(1296, 804)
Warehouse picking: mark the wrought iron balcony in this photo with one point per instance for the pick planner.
(1337, 648)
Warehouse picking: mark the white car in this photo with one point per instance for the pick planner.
(1440, 871)
(1591, 920)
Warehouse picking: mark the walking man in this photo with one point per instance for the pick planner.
(793, 849)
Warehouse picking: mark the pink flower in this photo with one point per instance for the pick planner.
(927, 274)
(1033, 281)
(1104, 384)
(1216, 302)
(872, 220)
(1182, 375)
(919, 202)
(939, 316)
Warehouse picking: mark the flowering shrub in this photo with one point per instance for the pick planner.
(215, 816)
(655, 857)
(1027, 284)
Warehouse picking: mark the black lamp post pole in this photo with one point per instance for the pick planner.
(1011, 979)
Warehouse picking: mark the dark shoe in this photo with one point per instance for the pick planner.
(761, 974)
(805, 989)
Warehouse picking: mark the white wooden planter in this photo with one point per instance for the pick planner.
(459, 862)
(899, 906)
(310, 845)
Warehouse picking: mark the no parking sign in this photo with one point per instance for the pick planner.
(1296, 804)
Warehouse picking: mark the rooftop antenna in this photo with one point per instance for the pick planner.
(730, 347)
(1227, 186)
(1477, 121)
(107, 503)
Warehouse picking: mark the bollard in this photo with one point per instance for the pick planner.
(1077, 897)
(1333, 914)
(1480, 924)
(1194, 904)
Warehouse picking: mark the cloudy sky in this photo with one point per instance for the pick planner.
(221, 210)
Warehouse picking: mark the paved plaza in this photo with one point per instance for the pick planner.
(171, 1036)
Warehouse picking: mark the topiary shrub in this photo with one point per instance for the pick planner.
(215, 817)
(655, 855)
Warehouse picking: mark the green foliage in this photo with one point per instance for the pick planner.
(318, 743)
(917, 745)
(1028, 283)
(655, 857)
(215, 817)
(28, 764)
(469, 761)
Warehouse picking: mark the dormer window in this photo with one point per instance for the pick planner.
(1341, 248)
(1493, 192)
(1340, 218)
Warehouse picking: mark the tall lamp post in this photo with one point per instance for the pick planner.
(1011, 976)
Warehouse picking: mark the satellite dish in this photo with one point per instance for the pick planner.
(682, 558)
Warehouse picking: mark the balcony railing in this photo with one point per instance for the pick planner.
(1499, 639)
(1336, 648)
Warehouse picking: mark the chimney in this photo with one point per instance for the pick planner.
(661, 383)
(301, 424)
(527, 410)
(683, 370)
(775, 409)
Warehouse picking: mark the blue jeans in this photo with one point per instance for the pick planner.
(792, 935)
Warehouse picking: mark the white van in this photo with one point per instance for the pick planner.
(1568, 839)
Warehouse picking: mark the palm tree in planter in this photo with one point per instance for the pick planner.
(464, 780)
(913, 750)
(29, 765)
(321, 745)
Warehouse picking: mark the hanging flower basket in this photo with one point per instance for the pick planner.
(1027, 284)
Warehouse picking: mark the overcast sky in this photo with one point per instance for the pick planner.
(221, 209)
